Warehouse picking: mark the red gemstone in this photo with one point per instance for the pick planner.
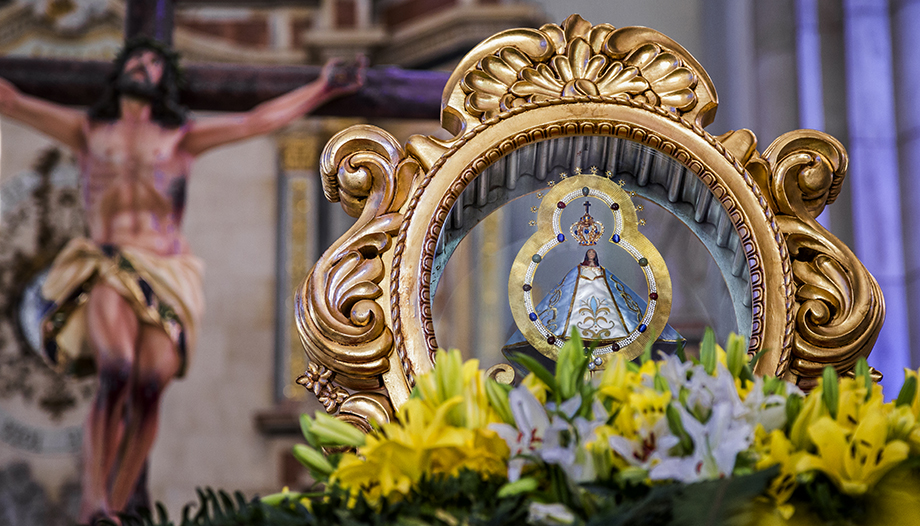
(653, 296)
(615, 346)
(615, 206)
(560, 204)
(551, 340)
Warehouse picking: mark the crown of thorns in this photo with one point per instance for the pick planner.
(170, 57)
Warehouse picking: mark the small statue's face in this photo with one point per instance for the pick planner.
(591, 256)
(144, 67)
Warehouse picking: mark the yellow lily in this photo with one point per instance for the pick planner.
(774, 448)
(617, 382)
(812, 409)
(421, 442)
(855, 462)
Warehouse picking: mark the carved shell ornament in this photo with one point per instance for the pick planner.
(585, 62)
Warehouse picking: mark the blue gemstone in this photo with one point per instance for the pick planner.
(586, 231)
(561, 237)
(616, 238)
(533, 316)
(643, 327)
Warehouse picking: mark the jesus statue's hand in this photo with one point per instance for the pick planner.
(341, 78)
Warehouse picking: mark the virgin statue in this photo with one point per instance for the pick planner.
(599, 306)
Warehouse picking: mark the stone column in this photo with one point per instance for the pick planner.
(905, 22)
(728, 56)
(874, 173)
(834, 94)
(776, 103)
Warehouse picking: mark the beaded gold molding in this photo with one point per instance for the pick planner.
(364, 311)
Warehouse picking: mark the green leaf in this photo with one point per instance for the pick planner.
(498, 399)
(646, 353)
(708, 351)
(908, 391)
(539, 371)
(677, 427)
(862, 371)
(570, 366)
(681, 350)
(719, 502)
(793, 408)
(831, 394)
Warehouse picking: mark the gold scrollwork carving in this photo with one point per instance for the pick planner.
(342, 325)
(519, 67)
(839, 307)
(364, 409)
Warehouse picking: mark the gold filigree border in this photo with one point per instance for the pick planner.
(632, 345)
(620, 129)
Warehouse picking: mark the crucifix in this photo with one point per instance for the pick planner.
(389, 92)
(128, 296)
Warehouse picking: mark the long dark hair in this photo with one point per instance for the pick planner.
(587, 261)
(164, 107)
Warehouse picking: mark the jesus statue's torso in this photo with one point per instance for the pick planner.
(134, 176)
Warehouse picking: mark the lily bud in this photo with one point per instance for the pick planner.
(737, 354)
(831, 394)
(315, 461)
(330, 431)
(521, 485)
(708, 351)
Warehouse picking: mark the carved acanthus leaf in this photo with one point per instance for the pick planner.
(838, 304)
(341, 321)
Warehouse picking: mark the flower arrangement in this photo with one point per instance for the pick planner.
(676, 440)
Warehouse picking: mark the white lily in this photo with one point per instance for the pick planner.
(674, 371)
(704, 390)
(527, 435)
(716, 445)
(653, 445)
(766, 410)
(555, 514)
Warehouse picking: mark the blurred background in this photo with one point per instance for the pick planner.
(258, 219)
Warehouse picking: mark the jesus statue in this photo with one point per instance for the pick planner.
(127, 300)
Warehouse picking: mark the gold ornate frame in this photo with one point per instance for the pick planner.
(364, 311)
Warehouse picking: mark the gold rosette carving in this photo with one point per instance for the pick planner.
(522, 67)
(839, 307)
(341, 309)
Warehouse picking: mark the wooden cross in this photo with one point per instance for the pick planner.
(389, 92)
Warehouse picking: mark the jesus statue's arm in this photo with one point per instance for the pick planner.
(334, 81)
(58, 122)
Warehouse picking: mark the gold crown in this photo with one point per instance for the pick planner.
(587, 230)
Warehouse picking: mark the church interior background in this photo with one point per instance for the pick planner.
(259, 220)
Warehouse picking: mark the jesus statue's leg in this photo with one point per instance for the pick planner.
(157, 364)
(112, 327)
